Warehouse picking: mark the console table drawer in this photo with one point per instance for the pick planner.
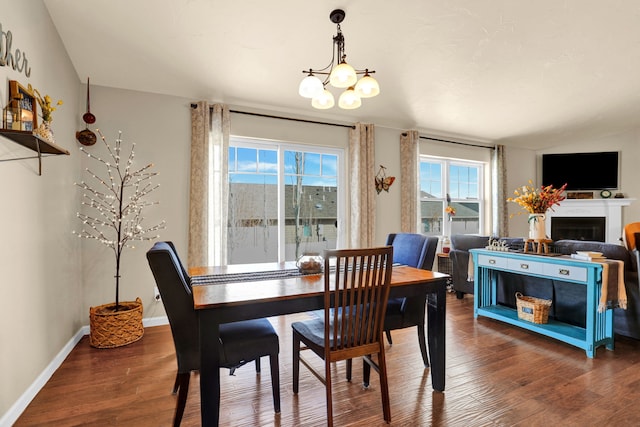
(565, 272)
(492, 261)
(525, 266)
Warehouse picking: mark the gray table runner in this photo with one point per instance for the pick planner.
(244, 277)
(249, 277)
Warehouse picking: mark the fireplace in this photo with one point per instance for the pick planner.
(578, 228)
(573, 211)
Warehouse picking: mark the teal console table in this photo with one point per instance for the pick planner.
(488, 265)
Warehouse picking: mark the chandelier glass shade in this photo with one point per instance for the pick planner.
(323, 101)
(349, 99)
(310, 86)
(367, 86)
(343, 76)
(338, 74)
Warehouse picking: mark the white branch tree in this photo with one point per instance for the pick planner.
(117, 201)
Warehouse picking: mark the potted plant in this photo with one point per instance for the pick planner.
(116, 203)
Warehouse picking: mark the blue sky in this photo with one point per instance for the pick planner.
(255, 166)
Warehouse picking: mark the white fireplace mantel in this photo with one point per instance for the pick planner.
(611, 209)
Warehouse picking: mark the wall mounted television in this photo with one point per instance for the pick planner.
(581, 171)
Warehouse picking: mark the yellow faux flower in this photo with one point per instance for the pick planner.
(46, 106)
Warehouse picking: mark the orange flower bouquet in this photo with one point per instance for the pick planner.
(538, 200)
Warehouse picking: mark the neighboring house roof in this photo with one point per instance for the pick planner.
(259, 201)
(434, 210)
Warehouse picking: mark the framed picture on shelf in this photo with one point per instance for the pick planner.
(21, 110)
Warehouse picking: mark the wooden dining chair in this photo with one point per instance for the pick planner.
(356, 290)
(240, 342)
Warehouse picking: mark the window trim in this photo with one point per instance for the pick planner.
(280, 147)
(446, 163)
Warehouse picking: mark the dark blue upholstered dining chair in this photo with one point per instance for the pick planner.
(241, 342)
(415, 250)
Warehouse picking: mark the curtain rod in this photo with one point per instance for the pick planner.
(285, 118)
(456, 142)
(341, 125)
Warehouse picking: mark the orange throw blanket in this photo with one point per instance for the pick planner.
(613, 293)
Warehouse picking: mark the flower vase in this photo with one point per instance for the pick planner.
(537, 226)
(45, 132)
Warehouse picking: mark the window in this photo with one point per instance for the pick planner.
(284, 200)
(455, 183)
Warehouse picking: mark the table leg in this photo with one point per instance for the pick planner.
(436, 316)
(209, 369)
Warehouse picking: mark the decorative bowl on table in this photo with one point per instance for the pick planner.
(310, 263)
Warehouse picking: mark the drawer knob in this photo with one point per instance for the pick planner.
(524, 266)
(563, 271)
(492, 261)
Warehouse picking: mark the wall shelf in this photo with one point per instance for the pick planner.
(28, 140)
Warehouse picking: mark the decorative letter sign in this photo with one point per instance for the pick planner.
(16, 59)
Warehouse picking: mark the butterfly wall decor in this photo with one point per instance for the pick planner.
(383, 182)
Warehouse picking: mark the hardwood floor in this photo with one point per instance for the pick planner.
(496, 375)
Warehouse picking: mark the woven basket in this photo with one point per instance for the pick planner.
(532, 309)
(110, 329)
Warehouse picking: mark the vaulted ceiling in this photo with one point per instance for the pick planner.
(518, 72)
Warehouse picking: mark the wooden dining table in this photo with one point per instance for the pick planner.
(247, 297)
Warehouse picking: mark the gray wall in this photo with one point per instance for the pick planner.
(41, 288)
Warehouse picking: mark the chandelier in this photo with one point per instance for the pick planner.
(340, 75)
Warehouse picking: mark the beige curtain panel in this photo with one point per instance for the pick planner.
(499, 192)
(362, 184)
(208, 193)
(409, 165)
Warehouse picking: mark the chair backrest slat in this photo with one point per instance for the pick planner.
(356, 292)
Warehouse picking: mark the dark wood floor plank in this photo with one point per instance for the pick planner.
(497, 374)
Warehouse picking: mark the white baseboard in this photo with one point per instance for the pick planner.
(12, 415)
(155, 321)
(21, 404)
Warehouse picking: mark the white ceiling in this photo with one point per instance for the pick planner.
(531, 73)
